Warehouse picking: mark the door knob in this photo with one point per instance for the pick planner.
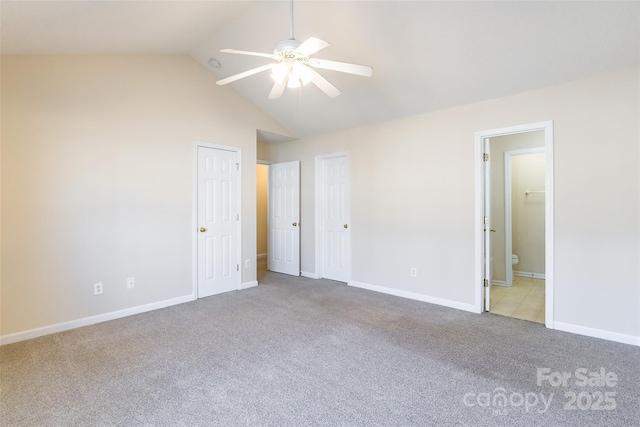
(295, 224)
(346, 226)
(202, 229)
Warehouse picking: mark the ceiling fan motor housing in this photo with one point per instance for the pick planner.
(286, 48)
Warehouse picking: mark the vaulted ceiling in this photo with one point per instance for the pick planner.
(426, 55)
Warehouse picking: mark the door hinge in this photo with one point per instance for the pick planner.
(486, 283)
(237, 267)
(237, 217)
(485, 219)
(237, 166)
(485, 157)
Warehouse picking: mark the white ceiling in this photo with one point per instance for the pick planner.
(426, 55)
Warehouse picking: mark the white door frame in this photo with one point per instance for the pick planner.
(194, 219)
(319, 184)
(547, 127)
(508, 205)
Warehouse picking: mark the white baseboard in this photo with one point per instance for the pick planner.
(597, 333)
(415, 296)
(309, 275)
(261, 256)
(528, 274)
(500, 283)
(91, 320)
(247, 285)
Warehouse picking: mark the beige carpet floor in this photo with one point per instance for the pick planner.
(298, 352)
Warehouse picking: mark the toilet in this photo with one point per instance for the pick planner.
(514, 260)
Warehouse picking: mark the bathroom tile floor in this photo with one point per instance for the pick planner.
(524, 300)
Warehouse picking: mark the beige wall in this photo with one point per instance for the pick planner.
(498, 146)
(97, 186)
(262, 175)
(263, 150)
(97, 180)
(413, 193)
(528, 228)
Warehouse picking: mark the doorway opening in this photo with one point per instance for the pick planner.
(518, 244)
(514, 233)
(262, 212)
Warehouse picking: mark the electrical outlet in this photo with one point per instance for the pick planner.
(247, 263)
(97, 288)
(414, 272)
(131, 283)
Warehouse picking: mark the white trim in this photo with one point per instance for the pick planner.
(268, 195)
(530, 275)
(549, 227)
(194, 216)
(508, 221)
(499, 283)
(598, 333)
(547, 127)
(309, 275)
(247, 285)
(479, 226)
(91, 320)
(414, 296)
(508, 207)
(318, 209)
(318, 216)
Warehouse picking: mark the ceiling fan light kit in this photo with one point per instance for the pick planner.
(295, 68)
(293, 74)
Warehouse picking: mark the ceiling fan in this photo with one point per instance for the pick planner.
(294, 66)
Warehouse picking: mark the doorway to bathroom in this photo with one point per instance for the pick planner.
(514, 235)
(518, 280)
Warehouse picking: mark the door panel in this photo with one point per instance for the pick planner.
(335, 219)
(487, 226)
(284, 218)
(217, 190)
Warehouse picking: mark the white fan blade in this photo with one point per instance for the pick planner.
(278, 88)
(244, 74)
(244, 52)
(311, 46)
(361, 70)
(324, 84)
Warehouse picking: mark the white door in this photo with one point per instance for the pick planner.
(284, 218)
(218, 219)
(487, 225)
(336, 232)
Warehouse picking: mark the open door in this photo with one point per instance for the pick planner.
(284, 218)
(486, 162)
(485, 221)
